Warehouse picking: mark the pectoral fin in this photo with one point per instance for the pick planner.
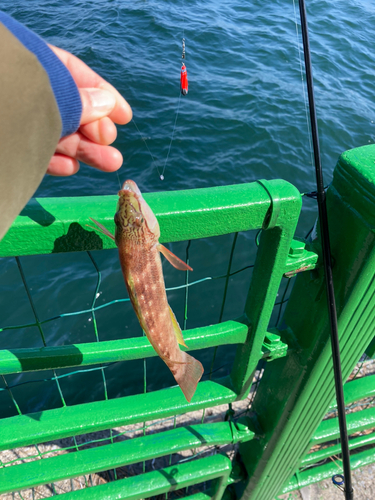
(101, 229)
(173, 259)
(176, 328)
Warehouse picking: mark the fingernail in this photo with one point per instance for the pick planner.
(102, 100)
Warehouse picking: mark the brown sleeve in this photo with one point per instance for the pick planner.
(30, 126)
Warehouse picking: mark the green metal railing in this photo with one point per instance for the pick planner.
(274, 435)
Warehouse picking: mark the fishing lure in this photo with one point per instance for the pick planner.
(184, 80)
(137, 238)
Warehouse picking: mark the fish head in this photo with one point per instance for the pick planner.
(134, 219)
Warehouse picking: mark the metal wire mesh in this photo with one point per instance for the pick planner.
(79, 443)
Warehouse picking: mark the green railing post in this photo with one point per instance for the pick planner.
(278, 230)
(296, 391)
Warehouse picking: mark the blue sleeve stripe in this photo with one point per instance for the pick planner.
(63, 86)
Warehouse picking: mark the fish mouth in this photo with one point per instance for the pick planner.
(130, 186)
(130, 194)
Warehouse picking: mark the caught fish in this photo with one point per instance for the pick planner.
(137, 238)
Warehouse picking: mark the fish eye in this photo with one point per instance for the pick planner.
(138, 220)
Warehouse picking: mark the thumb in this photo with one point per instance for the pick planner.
(96, 104)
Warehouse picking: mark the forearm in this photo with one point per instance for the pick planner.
(30, 126)
(62, 84)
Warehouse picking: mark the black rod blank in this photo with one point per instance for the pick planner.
(327, 262)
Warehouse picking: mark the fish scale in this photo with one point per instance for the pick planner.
(148, 296)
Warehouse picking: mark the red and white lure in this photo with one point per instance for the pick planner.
(183, 79)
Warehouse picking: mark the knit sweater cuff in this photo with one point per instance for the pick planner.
(63, 86)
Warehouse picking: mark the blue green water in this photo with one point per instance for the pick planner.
(244, 118)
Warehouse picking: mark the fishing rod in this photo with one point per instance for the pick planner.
(327, 261)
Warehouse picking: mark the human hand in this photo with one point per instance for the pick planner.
(102, 107)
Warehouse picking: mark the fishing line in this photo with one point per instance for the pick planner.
(144, 140)
(145, 143)
(154, 160)
(118, 178)
(327, 261)
(161, 175)
(183, 91)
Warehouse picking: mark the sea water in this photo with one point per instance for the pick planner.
(245, 118)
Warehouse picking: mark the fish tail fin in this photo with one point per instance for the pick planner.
(188, 374)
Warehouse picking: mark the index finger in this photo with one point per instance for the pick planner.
(85, 77)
